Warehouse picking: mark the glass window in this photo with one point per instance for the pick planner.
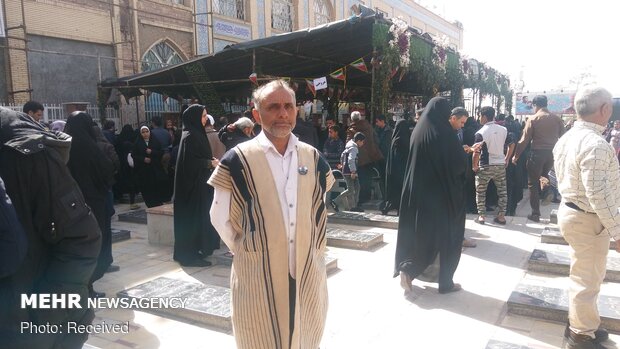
(159, 56)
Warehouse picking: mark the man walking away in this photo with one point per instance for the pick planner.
(349, 199)
(542, 130)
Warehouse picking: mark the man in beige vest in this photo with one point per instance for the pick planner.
(269, 208)
(588, 175)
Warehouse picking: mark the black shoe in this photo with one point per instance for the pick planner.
(333, 205)
(95, 294)
(113, 268)
(196, 263)
(580, 341)
(533, 217)
(600, 335)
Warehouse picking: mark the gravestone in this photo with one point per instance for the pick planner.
(331, 263)
(552, 304)
(553, 218)
(160, 226)
(495, 344)
(137, 216)
(557, 261)
(120, 235)
(552, 235)
(353, 239)
(363, 219)
(205, 304)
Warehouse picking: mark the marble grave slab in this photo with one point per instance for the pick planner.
(137, 216)
(557, 261)
(553, 218)
(552, 304)
(120, 235)
(359, 240)
(552, 235)
(363, 219)
(206, 304)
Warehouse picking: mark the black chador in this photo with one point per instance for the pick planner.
(432, 209)
(195, 237)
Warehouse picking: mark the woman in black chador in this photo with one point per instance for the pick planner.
(94, 174)
(149, 173)
(396, 164)
(432, 209)
(194, 236)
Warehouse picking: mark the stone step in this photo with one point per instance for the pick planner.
(206, 304)
(363, 219)
(552, 235)
(120, 235)
(553, 218)
(137, 216)
(552, 304)
(360, 240)
(331, 263)
(556, 260)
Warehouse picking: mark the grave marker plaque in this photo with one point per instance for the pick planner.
(206, 304)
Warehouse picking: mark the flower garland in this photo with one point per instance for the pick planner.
(400, 40)
(440, 53)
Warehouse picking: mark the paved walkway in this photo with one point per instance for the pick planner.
(368, 309)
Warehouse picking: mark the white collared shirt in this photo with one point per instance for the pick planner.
(588, 173)
(284, 173)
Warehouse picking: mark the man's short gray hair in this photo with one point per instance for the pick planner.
(243, 123)
(356, 116)
(589, 99)
(260, 93)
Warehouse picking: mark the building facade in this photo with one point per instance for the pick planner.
(56, 51)
(234, 21)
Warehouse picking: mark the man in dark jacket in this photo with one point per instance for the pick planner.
(62, 233)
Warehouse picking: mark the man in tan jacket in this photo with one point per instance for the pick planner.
(269, 209)
(542, 130)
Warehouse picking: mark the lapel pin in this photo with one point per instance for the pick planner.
(302, 170)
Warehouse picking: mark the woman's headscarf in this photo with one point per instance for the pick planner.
(192, 126)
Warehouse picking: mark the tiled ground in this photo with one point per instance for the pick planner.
(367, 309)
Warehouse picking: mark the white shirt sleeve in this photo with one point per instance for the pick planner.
(220, 217)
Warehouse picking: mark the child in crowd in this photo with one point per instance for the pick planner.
(349, 198)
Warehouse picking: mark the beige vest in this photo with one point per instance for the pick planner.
(259, 278)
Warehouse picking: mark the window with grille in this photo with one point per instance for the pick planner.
(322, 13)
(230, 8)
(282, 15)
(161, 55)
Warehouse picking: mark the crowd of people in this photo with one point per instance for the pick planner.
(63, 179)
